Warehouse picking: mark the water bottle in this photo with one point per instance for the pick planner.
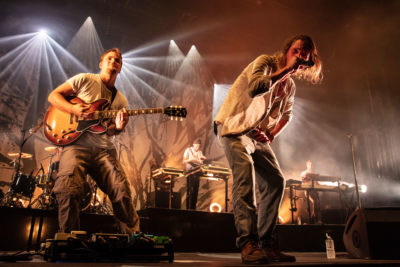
(330, 247)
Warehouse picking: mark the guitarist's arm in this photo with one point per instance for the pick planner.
(57, 99)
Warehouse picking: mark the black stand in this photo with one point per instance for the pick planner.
(293, 204)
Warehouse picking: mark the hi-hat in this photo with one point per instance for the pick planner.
(50, 148)
(23, 155)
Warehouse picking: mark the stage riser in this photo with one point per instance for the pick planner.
(16, 224)
(191, 230)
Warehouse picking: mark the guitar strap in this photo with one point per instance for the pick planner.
(114, 93)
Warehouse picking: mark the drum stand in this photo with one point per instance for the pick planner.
(45, 200)
(293, 199)
(97, 206)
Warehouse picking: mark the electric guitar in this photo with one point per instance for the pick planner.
(62, 128)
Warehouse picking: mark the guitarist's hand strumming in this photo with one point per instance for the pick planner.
(81, 110)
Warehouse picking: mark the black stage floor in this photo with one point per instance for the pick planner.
(220, 259)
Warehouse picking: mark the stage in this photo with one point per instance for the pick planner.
(191, 231)
(224, 259)
(200, 238)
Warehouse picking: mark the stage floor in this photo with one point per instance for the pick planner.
(223, 259)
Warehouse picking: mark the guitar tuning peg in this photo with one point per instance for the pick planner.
(176, 118)
(172, 118)
(181, 119)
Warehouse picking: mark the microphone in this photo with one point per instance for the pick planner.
(308, 63)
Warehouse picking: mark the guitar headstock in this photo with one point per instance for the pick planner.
(175, 111)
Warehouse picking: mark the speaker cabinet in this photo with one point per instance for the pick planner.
(373, 233)
(160, 199)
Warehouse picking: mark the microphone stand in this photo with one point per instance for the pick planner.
(120, 145)
(350, 136)
(18, 161)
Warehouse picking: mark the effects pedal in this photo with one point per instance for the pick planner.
(105, 247)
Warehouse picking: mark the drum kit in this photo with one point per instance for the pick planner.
(23, 186)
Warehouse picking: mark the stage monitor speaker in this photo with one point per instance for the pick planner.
(373, 233)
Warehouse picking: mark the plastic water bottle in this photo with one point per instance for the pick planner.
(330, 247)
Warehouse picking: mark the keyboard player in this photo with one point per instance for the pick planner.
(192, 158)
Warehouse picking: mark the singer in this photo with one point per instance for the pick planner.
(257, 108)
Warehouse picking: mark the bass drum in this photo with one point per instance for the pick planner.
(23, 185)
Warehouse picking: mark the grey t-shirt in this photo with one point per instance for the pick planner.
(90, 88)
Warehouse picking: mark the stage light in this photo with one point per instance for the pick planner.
(215, 207)
(363, 188)
(42, 33)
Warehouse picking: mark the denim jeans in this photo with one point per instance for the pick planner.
(253, 161)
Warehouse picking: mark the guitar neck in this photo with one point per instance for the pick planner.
(131, 112)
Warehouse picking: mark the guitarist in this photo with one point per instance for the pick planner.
(94, 154)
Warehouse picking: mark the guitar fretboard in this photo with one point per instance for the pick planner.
(131, 112)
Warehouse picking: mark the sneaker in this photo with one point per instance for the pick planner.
(274, 255)
(252, 254)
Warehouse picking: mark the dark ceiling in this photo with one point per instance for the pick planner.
(352, 36)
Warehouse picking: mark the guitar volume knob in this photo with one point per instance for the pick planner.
(54, 135)
(63, 131)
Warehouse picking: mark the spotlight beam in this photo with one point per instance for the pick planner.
(158, 76)
(146, 85)
(81, 67)
(16, 37)
(125, 80)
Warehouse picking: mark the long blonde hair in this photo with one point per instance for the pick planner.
(313, 74)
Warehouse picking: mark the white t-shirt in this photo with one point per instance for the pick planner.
(89, 87)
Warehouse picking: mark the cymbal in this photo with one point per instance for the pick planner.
(23, 155)
(50, 148)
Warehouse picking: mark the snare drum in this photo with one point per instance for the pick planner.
(23, 185)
